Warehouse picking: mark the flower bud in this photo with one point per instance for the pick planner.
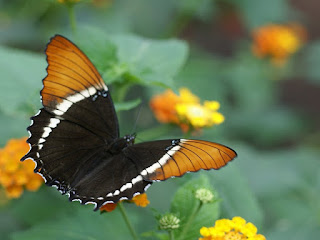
(204, 195)
(169, 222)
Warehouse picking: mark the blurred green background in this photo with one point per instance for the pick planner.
(272, 113)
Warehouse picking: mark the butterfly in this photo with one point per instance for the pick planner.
(75, 143)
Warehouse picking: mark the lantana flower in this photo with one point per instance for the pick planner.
(185, 110)
(278, 41)
(140, 200)
(236, 229)
(16, 176)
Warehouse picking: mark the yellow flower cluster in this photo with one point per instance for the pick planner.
(278, 41)
(140, 200)
(15, 175)
(185, 110)
(235, 229)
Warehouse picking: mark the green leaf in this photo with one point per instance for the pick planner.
(100, 50)
(81, 224)
(46, 202)
(127, 105)
(21, 73)
(126, 57)
(150, 61)
(237, 197)
(184, 204)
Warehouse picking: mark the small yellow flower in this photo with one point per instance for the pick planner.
(278, 41)
(238, 223)
(140, 200)
(204, 231)
(235, 229)
(185, 110)
(15, 175)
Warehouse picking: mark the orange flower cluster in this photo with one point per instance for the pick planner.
(140, 200)
(278, 41)
(185, 110)
(225, 229)
(15, 175)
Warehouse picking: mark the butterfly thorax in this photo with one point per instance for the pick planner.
(119, 144)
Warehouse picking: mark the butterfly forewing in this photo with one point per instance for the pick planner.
(74, 90)
(78, 119)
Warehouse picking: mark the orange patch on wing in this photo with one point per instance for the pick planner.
(69, 72)
(192, 156)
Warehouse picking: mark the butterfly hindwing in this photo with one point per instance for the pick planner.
(160, 160)
(114, 178)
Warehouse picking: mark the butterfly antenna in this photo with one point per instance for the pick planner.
(136, 121)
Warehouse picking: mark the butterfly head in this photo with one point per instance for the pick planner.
(130, 138)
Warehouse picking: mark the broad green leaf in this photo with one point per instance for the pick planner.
(150, 61)
(81, 224)
(35, 207)
(184, 205)
(21, 73)
(126, 57)
(100, 50)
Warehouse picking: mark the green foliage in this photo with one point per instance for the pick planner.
(185, 206)
(21, 72)
(83, 224)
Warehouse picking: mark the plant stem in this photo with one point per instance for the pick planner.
(171, 235)
(190, 221)
(72, 18)
(126, 219)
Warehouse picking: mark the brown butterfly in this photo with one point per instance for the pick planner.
(75, 140)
